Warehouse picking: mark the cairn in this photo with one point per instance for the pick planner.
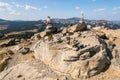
(49, 28)
(81, 26)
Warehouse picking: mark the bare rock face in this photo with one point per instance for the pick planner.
(64, 31)
(81, 57)
(115, 62)
(32, 70)
(101, 34)
(111, 33)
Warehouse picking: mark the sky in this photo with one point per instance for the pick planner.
(40, 9)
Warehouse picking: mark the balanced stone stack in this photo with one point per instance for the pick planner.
(49, 28)
(47, 33)
(81, 26)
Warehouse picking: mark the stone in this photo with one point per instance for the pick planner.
(82, 26)
(48, 21)
(36, 36)
(64, 31)
(17, 41)
(76, 34)
(85, 56)
(15, 48)
(89, 27)
(50, 29)
(24, 50)
(43, 34)
(73, 28)
(101, 34)
(77, 27)
(7, 43)
(115, 62)
(110, 45)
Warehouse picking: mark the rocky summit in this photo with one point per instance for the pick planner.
(76, 52)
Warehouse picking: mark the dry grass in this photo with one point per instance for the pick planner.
(5, 53)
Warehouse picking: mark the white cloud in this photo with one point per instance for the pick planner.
(116, 8)
(8, 8)
(28, 7)
(99, 10)
(77, 7)
(15, 13)
(5, 6)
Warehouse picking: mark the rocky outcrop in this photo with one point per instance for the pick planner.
(49, 30)
(81, 57)
(24, 50)
(71, 29)
(115, 63)
(77, 27)
(111, 33)
(32, 70)
(36, 37)
(6, 43)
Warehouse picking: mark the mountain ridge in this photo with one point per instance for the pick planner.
(20, 25)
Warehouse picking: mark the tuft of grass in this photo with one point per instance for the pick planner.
(4, 56)
(5, 53)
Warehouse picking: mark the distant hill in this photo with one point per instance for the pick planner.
(105, 23)
(116, 22)
(74, 20)
(9, 26)
(67, 21)
(19, 25)
(2, 20)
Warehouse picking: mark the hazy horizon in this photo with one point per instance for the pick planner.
(40, 9)
(53, 18)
